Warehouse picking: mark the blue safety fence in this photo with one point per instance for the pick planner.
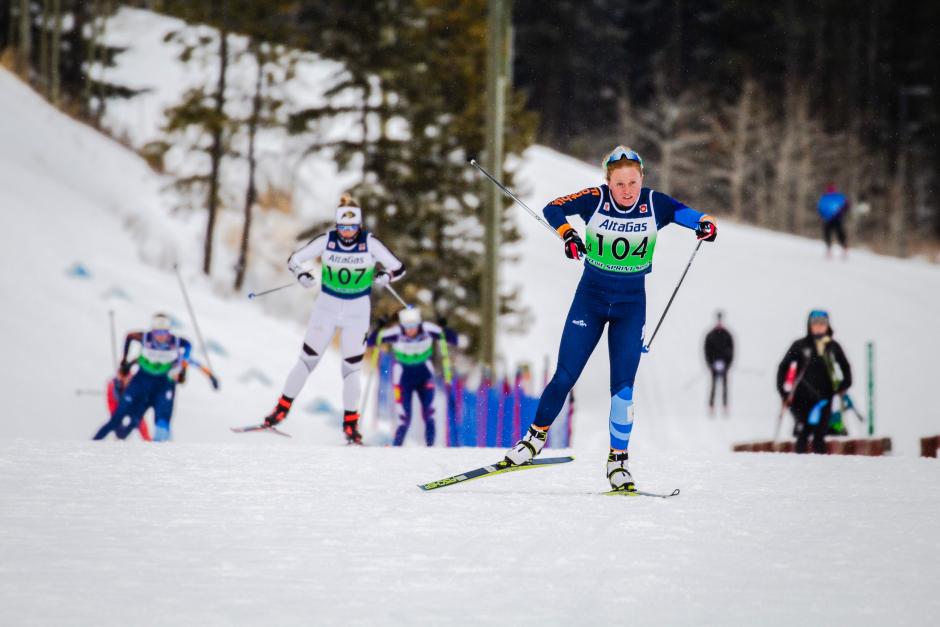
(494, 413)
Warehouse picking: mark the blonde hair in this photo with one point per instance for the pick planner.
(346, 200)
(624, 163)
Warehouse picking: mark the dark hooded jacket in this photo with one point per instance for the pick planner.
(822, 371)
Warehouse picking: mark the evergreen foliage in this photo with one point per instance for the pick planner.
(417, 72)
(820, 84)
(65, 51)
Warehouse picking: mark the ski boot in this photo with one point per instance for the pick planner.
(618, 471)
(351, 428)
(280, 412)
(161, 431)
(528, 447)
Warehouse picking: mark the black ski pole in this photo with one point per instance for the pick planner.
(192, 316)
(87, 392)
(646, 348)
(789, 399)
(113, 340)
(506, 191)
(253, 295)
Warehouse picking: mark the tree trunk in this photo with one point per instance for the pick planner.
(216, 151)
(739, 151)
(44, 49)
(55, 59)
(109, 7)
(251, 192)
(25, 39)
(7, 28)
(91, 56)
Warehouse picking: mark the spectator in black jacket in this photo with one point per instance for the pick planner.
(719, 352)
(813, 371)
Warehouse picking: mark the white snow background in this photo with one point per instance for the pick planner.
(218, 528)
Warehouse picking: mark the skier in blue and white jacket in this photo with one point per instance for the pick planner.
(162, 364)
(412, 342)
(622, 220)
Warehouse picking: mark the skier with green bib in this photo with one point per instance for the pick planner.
(622, 219)
(348, 255)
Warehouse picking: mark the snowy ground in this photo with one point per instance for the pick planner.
(264, 532)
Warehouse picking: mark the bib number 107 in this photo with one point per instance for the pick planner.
(345, 275)
(620, 247)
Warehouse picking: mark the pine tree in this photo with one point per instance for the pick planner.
(265, 22)
(200, 120)
(417, 74)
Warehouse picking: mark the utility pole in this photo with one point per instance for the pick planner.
(498, 61)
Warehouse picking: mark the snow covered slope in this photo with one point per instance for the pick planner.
(218, 528)
(70, 197)
(260, 533)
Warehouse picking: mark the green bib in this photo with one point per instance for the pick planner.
(621, 244)
(345, 278)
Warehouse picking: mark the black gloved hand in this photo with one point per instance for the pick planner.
(706, 231)
(574, 247)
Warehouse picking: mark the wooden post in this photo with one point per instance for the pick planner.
(497, 79)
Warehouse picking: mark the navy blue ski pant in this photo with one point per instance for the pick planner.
(145, 390)
(412, 380)
(624, 313)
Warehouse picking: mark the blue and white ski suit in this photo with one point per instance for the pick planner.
(154, 385)
(620, 243)
(413, 373)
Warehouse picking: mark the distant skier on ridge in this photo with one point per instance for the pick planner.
(622, 219)
(832, 207)
(348, 255)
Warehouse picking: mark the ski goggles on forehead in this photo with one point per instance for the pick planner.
(818, 315)
(621, 152)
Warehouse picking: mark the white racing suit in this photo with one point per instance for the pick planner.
(346, 282)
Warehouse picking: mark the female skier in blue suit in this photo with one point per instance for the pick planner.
(622, 219)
